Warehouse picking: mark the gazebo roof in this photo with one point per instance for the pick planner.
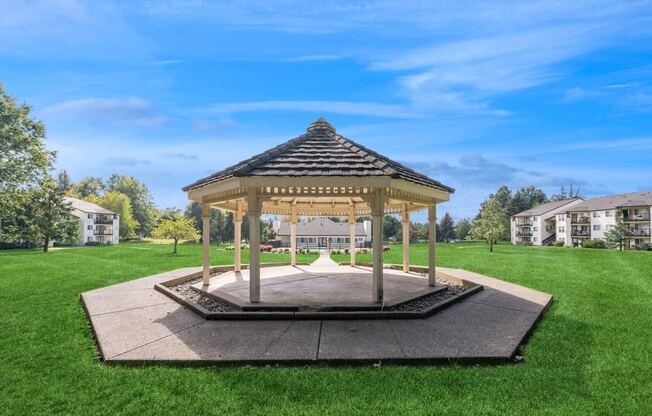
(320, 152)
(319, 173)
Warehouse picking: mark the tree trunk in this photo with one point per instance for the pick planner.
(491, 244)
(46, 243)
(175, 245)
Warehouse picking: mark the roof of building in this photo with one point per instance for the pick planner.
(86, 206)
(322, 226)
(320, 152)
(546, 207)
(632, 199)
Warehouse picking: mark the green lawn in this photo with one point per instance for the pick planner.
(591, 354)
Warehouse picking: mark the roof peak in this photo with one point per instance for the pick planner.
(320, 127)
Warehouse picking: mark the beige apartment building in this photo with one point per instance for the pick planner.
(577, 220)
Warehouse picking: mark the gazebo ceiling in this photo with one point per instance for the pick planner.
(319, 173)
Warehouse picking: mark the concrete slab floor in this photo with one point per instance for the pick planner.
(132, 325)
(317, 287)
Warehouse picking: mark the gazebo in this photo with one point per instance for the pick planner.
(319, 173)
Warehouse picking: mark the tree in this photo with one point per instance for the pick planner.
(142, 204)
(446, 230)
(526, 198)
(89, 186)
(24, 159)
(220, 229)
(562, 194)
(391, 227)
(170, 214)
(618, 235)
(490, 226)
(178, 229)
(120, 204)
(463, 228)
(52, 215)
(64, 183)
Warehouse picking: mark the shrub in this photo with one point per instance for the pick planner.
(594, 244)
(385, 248)
(229, 248)
(559, 243)
(346, 251)
(92, 243)
(644, 247)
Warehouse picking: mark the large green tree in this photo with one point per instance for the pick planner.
(51, 215)
(391, 227)
(463, 228)
(24, 159)
(142, 204)
(220, 229)
(446, 231)
(121, 205)
(181, 228)
(491, 224)
(89, 186)
(525, 198)
(619, 235)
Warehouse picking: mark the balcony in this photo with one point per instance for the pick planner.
(523, 234)
(580, 220)
(524, 223)
(103, 231)
(580, 233)
(107, 221)
(639, 217)
(639, 232)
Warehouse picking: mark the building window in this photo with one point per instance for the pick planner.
(596, 227)
(608, 227)
(596, 214)
(562, 229)
(535, 229)
(561, 217)
(89, 238)
(89, 227)
(90, 216)
(534, 239)
(608, 213)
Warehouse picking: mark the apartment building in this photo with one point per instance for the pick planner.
(538, 225)
(322, 232)
(96, 224)
(594, 217)
(577, 220)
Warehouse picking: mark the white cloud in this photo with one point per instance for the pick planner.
(126, 110)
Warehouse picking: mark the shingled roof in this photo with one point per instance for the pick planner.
(321, 227)
(320, 152)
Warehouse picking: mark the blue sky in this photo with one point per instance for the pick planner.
(474, 94)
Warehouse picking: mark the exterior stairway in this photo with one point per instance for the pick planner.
(549, 241)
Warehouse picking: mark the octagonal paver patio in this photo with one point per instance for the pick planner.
(133, 323)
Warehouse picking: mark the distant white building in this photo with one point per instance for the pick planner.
(573, 221)
(97, 224)
(322, 232)
(538, 225)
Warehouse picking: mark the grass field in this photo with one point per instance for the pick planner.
(591, 354)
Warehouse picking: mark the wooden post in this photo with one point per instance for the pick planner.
(377, 212)
(352, 236)
(406, 238)
(432, 238)
(253, 214)
(237, 238)
(206, 243)
(293, 236)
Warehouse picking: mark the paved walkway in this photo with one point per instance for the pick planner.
(134, 323)
(324, 261)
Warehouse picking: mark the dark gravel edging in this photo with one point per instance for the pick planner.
(214, 307)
